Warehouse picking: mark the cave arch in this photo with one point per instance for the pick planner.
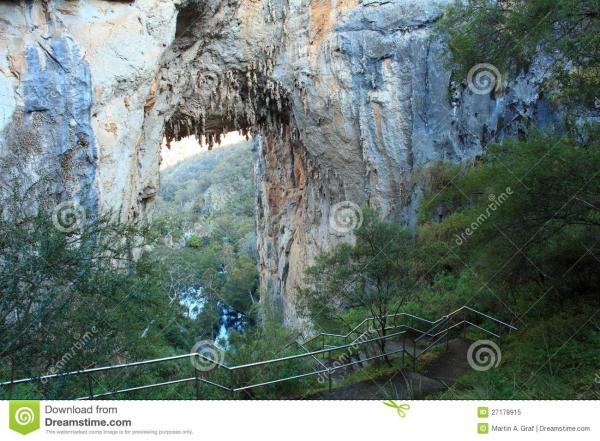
(344, 100)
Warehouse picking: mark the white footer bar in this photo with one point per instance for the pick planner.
(303, 420)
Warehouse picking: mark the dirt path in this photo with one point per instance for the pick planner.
(450, 364)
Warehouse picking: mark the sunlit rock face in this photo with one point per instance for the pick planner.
(346, 99)
(77, 76)
(373, 102)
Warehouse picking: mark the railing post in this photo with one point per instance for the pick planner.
(90, 386)
(197, 383)
(447, 340)
(403, 347)
(414, 357)
(329, 368)
(232, 382)
(12, 378)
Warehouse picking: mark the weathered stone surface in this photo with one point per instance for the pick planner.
(346, 100)
(373, 103)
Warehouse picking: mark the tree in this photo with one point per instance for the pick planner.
(529, 213)
(546, 232)
(70, 293)
(373, 274)
(240, 288)
(509, 33)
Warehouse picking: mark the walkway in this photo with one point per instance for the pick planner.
(435, 377)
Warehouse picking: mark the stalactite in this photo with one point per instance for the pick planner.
(246, 100)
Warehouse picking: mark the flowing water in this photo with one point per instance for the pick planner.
(194, 301)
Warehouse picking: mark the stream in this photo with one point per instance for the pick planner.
(229, 319)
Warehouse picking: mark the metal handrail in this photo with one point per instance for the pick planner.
(307, 351)
(437, 336)
(98, 369)
(445, 318)
(399, 314)
(318, 351)
(229, 368)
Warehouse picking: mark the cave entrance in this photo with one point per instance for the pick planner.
(205, 212)
(251, 104)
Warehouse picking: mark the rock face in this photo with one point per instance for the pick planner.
(345, 100)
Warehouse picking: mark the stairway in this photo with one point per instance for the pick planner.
(348, 351)
(435, 376)
(366, 355)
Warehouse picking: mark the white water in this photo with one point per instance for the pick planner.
(194, 301)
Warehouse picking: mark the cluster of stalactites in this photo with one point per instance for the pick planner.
(275, 13)
(249, 102)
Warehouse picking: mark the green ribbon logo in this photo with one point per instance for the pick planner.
(400, 408)
(24, 416)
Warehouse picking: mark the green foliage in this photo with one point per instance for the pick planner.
(194, 242)
(552, 358)
(508, 33)
(81, 300)
(375, 274)
(270, 341)
(204, 231)
(533, 253)
(528, 257)
(73, 299)
(515, 234)
(531, 204)
(241, 285)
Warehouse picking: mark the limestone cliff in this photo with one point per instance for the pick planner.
(345, 100)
